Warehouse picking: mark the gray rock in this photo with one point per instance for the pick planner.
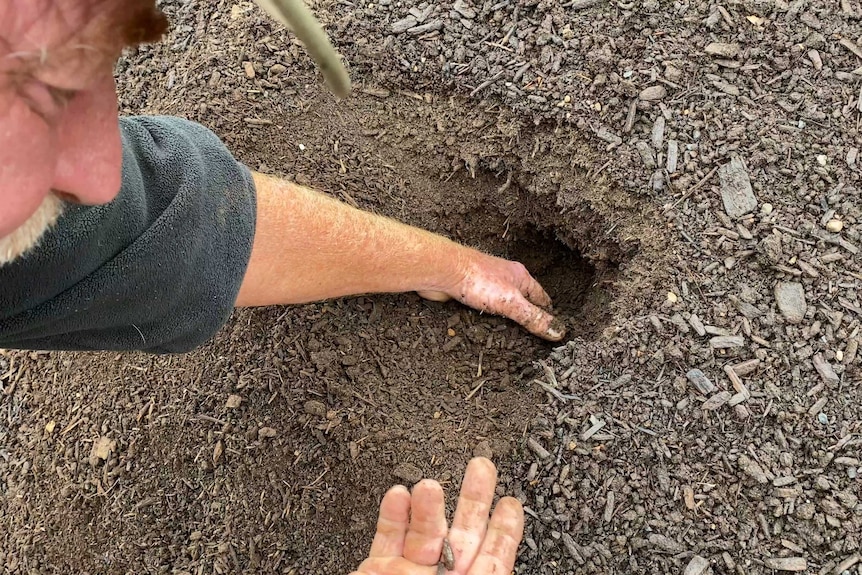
(653, 93)
(786, 563)
(696, 566)
(736, 192)
(790, 297)
(404, 24)
(408, 472)
(716, 401)
(700, 381)
(726, 341)
(723, 49)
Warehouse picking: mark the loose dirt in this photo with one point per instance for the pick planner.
(585, 139)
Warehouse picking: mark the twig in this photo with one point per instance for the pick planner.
(693, 189)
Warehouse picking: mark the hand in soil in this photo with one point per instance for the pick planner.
(502, 287)
(411, 528)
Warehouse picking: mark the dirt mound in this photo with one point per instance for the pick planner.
(588, 140)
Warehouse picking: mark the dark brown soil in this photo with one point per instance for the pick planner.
(342, 399)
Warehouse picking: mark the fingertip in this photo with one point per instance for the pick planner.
(427, 486)
(483, 466)
(508, 517)
(556, 330)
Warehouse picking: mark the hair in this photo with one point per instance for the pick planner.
(136, 21)
(109, 25)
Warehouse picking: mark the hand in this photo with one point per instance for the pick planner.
(498, 286)
(411, 528)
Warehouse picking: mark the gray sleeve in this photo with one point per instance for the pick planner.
(158, 269)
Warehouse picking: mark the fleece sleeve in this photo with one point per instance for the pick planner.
(158, 269)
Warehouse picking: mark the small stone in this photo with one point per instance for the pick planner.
(537, 448)
(752, 469)
(404, 24)
(233, 401)
(102, 449)
(723, 49)
(672, 297)
(461, 7)
(736, 192)
(700, 381)
(266, 433)
(696, 566)
(653, 93)
(726, 341)
(483, 449)
(277, 70)
(790, 297)
(313, 407)
(822, 159)
(852, 154)
(716, 401)
(658, 132)
(666, 544)
(786, 563)
(814, 56)
(672, 155)
(766, 209)
(248, 67)
(823, 418)
(824, 368)
(407, 472)
(834, 226)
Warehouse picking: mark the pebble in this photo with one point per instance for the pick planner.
(233, 401)
(266, 433)
(658, 132)
(766, 209)
(313, 407)
(790, 297)
(700, 381)
(408, 472)
(726, 341)
(404, 24)
(665, 544)
(537, 448)
(277, 70)
(723, 49)
(824, 368)
(653, 93)
(716, 401)
(736, 192)
(483, 449)
(752, 469)
(834, 226)
(672, 155)
(672, 297)
(248, 67)
(696, 566)
(786, 563)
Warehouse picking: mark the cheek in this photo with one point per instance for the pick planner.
(89, 164)
(28, 157)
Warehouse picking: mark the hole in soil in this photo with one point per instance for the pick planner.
(530, 229)
(568, 278)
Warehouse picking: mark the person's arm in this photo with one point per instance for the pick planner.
(310, 247)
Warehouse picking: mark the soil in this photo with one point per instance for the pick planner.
(599, 144)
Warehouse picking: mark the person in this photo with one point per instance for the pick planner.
(145, 233)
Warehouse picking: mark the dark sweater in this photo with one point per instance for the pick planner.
(158, 269)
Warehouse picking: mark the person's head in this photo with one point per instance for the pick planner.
(59, 132)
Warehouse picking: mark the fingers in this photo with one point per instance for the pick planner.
(471, 515)
(534, 319)
(424, 538)
(534, 292)
(393, 566)
(392, 523)
(498, 550)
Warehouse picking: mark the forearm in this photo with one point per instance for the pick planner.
(309, 247)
